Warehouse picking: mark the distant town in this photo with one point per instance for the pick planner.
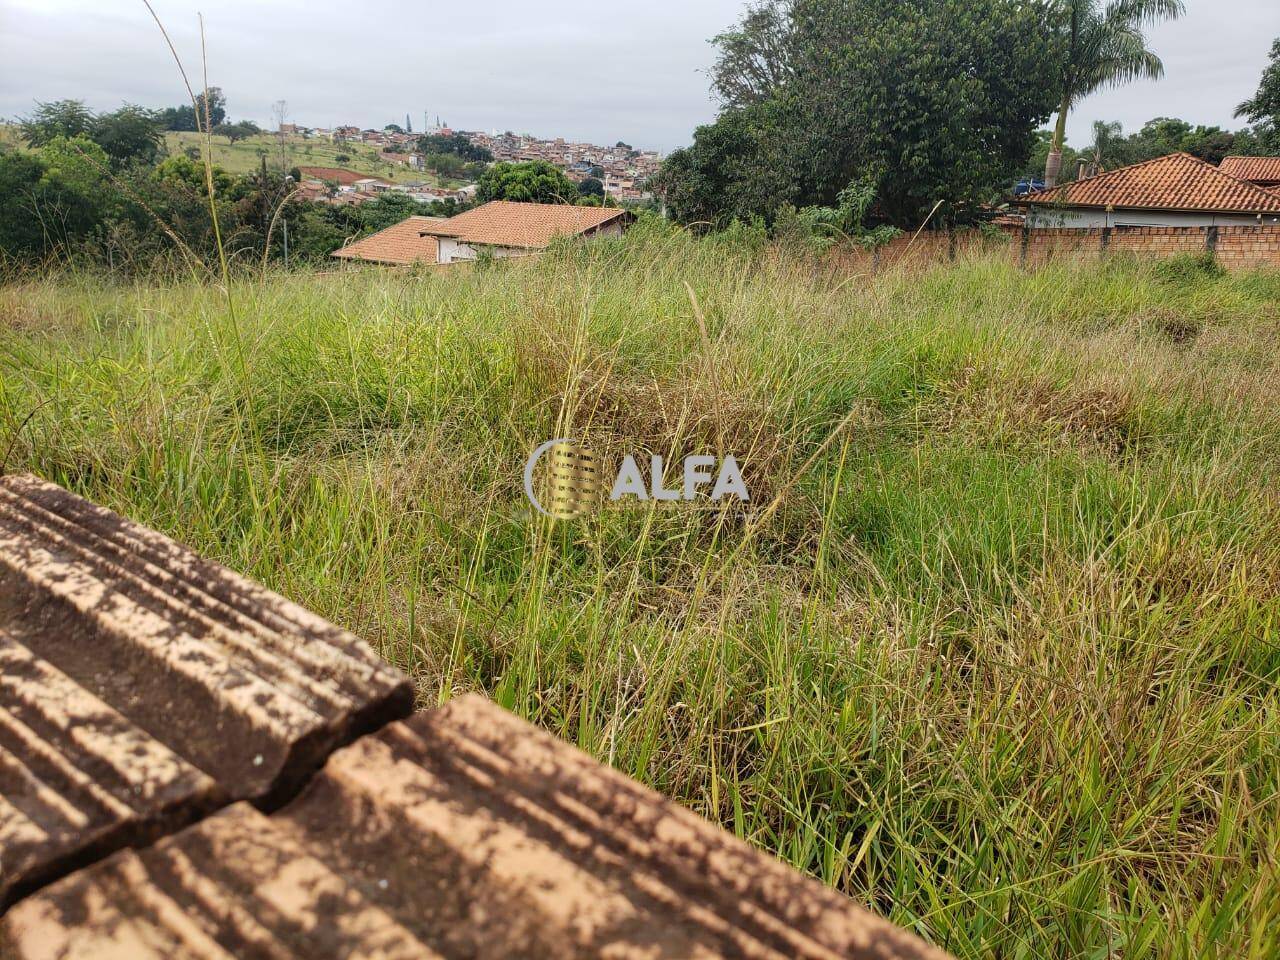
(623, 171)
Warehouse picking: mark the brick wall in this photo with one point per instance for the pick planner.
(1236, 248)
(1036, 247)
(927, 247)
(1159, 242)
(1243, 248)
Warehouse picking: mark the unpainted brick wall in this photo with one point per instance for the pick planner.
(1159, 242)
(1245, 248)
(1236, 248)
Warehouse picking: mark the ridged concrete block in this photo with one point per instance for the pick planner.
(142, 686)
(462, 832)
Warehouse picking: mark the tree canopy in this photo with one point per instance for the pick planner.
(533, 182)
(455, 144)
(125, 135)
(128, 134)
(184, 117)
(936, 100)
(57, 118)
(1264, 106)
(1112, 147)
(237, 131)
(1100, 44)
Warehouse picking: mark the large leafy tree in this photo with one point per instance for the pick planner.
(754, 59)
(56, 118)
(738, 168)
(534, 182)
(188, 118)
(129, 134)
(933, 100)
(1100, 45)
(212, 107)
(54, 197)
(237, 131)
(24, 190)
(454, 144)
(1264, 106)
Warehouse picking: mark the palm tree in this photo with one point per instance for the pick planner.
(1105, 137)
(1103, 46)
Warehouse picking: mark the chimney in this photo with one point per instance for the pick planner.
(1082, 170)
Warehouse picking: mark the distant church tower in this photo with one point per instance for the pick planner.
(408, 127)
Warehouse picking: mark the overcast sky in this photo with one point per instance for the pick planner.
(583, 71)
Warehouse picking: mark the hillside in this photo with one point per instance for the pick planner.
(244, 156)
(993, 648)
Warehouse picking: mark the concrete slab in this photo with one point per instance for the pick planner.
(142, 686)
(463, 832)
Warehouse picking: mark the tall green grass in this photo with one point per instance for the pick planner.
(1002, 663)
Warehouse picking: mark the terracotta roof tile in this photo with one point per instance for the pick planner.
(505, 223)
(142, 686)
(398, 244)
(339, 175)
(1178, 181)
(1260, 170)
(462, 832)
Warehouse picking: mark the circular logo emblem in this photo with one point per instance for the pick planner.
(573, 479)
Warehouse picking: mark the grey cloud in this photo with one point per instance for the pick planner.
(601, 74)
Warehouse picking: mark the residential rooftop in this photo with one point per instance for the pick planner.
(402, 243)
(505, 223)
(1264, 171)
(1177, 181)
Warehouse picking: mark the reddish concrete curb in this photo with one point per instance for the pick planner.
(142, 687)
(462, 832)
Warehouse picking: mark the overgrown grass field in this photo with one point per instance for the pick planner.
(994, 647)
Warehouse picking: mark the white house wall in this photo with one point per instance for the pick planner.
(453, 251)
(1083, 217)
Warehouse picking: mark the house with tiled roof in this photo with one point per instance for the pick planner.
(1260, 171)
(505, 228)
(339, 175)
(1177, 190)
(401, 244)
(500, 228)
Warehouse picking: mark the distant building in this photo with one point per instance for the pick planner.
(500, 228)
(339, 175)
(1177, 190)
(507, 229)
